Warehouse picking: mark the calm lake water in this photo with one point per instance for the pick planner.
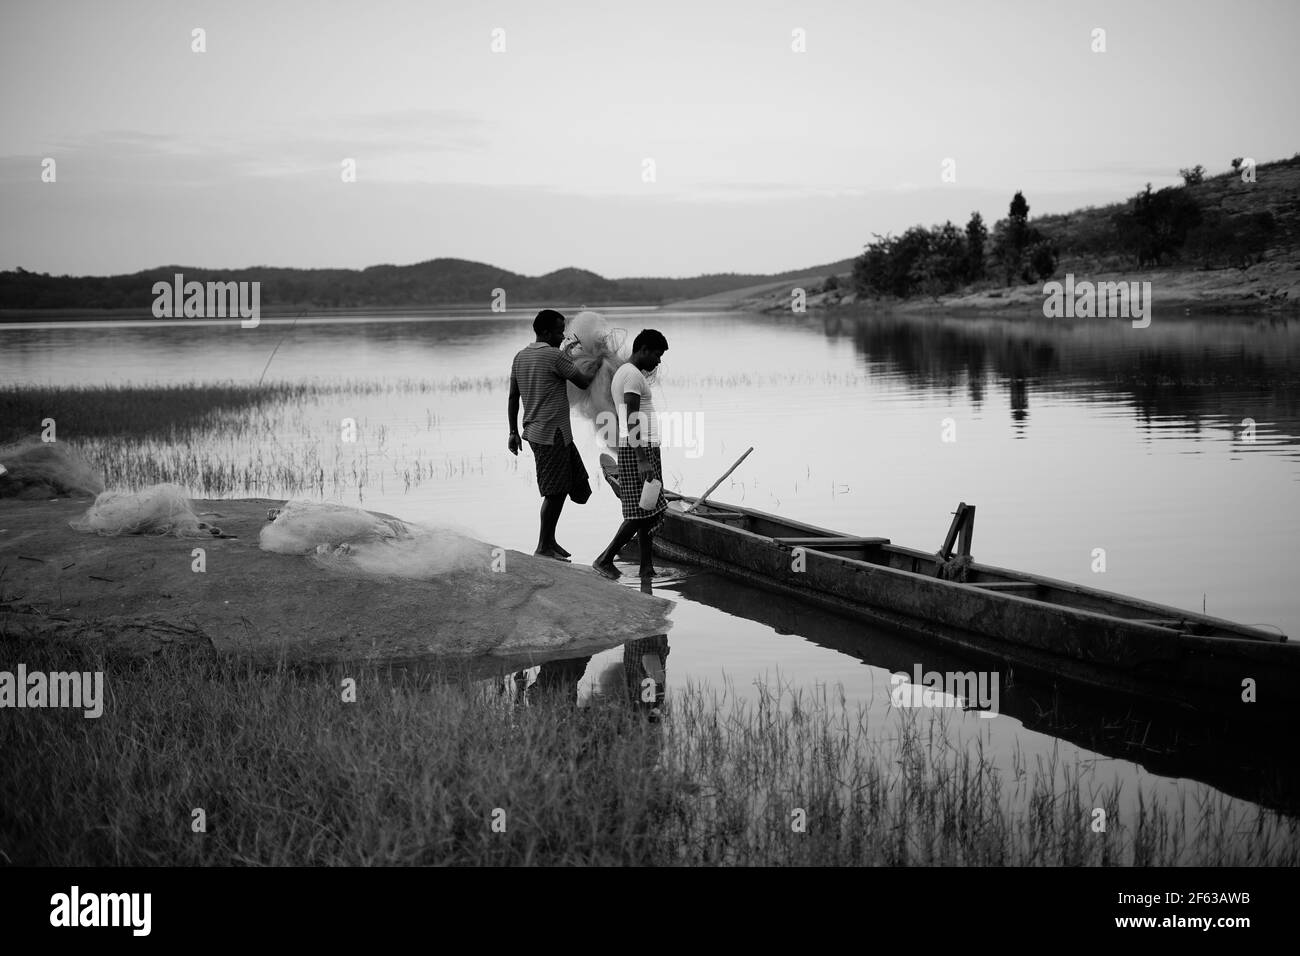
(1070, 436)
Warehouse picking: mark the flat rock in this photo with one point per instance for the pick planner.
(138, 594)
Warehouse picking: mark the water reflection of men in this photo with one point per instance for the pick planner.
(644, 677)
(644, 674)
(559, 680)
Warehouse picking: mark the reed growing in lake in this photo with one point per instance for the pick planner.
(226, 439)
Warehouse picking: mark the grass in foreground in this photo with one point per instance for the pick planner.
(287, 774)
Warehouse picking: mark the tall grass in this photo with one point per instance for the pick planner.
(277, 440)
(231, 439)
(412, 772)
(163, 411)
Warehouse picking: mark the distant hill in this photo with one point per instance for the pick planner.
(437, 282)
(676, 290)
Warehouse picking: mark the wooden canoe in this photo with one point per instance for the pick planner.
(1054, 628)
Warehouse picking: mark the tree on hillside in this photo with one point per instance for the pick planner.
(976, 236)
(1010, 237)
(1239, 241)
(869, 269)
(941, 267)
(1155, 225)
(1021, 250)
(885, 268)
(944, 258)
(1042, 256)
(1194, 176)
(1019, 208)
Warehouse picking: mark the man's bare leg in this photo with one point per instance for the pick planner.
(605, 563)
(552, 505)
(647, 548)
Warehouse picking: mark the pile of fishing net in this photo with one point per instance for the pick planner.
(605, 349)
(302, 527)
(159, 509)
(32, 469)
(352, 540)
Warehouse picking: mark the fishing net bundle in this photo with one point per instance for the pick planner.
(32, 469)
(159, 509)
(353, 541)
(605, 349)
(302, 527)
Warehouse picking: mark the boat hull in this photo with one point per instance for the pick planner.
(1051, 627)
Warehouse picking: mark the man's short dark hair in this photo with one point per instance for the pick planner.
(546, 320)
(651, 339)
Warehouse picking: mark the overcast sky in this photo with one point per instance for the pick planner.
(533, 159)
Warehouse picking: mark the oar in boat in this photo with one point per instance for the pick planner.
(714, 487)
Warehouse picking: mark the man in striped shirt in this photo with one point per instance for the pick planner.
(537, 379)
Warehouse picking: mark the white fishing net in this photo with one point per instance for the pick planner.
(35, 469)
(302, 527)
(351, 540)
(159, 509)
(606, 349)
(425, 554)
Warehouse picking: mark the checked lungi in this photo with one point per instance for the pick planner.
(559, 470)
(630, 482)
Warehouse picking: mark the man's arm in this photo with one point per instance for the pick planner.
(513, 408)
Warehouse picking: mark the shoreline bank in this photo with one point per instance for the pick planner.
(1266, 288)
(136, 594)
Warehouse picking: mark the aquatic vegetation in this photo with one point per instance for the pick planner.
(144, 410)
(423, 764)
(275, 440)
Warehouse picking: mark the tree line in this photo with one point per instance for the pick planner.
(1152, 228)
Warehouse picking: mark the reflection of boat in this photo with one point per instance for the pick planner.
(1169, 740)
(1063, 630)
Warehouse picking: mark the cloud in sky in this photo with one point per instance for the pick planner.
(535, 158)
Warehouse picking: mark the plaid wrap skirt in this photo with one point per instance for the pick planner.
(630, 482)
(559, 470)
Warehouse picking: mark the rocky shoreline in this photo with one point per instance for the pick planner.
(138, 595)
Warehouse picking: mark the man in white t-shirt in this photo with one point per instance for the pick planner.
(638, 452)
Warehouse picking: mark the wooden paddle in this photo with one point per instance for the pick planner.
(714, 486)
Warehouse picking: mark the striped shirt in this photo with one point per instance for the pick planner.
(539, 372)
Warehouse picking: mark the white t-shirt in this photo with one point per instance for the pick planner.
(629, 379)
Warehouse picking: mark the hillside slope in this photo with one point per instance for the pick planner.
(1222, 272)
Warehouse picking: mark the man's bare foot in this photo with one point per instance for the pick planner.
(560, 551)
(606, 569)
(555, 555)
